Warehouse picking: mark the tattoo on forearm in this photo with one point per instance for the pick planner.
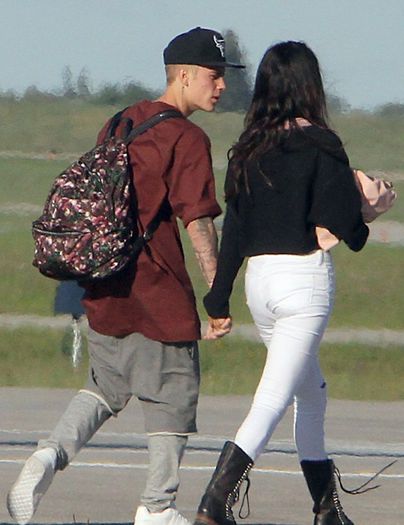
(202, 233)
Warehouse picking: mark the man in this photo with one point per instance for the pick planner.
(143, 323)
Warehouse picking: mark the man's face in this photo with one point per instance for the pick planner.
(205, 88)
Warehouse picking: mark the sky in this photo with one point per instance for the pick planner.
(359, 43)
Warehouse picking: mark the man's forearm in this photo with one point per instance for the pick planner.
(202, 233)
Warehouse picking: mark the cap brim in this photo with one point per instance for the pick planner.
(204, 64)
(224, 64)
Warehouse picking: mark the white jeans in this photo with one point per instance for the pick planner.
(290, 298)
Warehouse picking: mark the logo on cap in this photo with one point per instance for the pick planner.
(220, 44)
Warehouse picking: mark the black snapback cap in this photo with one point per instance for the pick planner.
(199, 47)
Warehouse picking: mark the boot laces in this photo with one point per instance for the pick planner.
(234, 497)
(245, 500)
(359, 490)
(338, 507)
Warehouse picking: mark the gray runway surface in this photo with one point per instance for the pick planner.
(103, 484)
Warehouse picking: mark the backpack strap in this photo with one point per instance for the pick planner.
(152, 121)
(114, 123)
(138, 130)
(142, 240)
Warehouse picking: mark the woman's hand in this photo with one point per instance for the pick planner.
(218, 327)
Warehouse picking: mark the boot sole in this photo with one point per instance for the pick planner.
(201, 519)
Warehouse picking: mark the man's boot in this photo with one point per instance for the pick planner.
(222, 492)
(321, 483)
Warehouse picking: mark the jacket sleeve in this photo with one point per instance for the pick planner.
(229, 262)
(336, 201)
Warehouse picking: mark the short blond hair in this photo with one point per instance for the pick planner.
(173, 69)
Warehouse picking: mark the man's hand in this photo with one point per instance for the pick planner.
(218, 328)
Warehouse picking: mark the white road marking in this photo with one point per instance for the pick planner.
(196, 468)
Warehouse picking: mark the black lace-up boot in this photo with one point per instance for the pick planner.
(321, 482)
(222, 492)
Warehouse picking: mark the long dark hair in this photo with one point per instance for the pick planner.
(288, 85)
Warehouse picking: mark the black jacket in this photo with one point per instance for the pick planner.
(303, 183)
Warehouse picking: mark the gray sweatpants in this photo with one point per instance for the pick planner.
(165, 379)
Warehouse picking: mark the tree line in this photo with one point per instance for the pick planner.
(235, 98)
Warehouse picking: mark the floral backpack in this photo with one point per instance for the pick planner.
(88, 229)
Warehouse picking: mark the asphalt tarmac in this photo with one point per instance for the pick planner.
(103, 484)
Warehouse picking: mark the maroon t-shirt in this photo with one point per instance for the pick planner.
(171, 163)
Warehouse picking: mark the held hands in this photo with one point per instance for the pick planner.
(218, 327)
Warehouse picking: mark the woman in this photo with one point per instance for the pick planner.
(288, 178)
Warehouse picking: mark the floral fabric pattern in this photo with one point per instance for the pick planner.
(88, 227)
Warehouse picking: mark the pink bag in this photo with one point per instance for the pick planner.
(377, 196)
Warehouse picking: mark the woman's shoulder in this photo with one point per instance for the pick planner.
(325, 137)
(326, 141)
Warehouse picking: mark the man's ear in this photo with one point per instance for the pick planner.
(184, 77)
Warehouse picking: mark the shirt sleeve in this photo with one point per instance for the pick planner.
(336, 202)
(229, 262)
(190, 181)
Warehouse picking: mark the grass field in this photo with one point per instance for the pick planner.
(365, 298)
(61, 126)
(369, 284)
(35, 358)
